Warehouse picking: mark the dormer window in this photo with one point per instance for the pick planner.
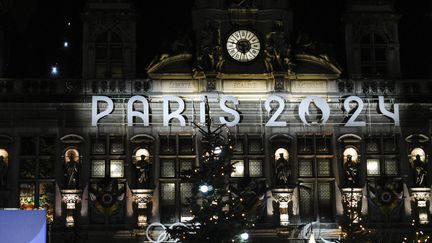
(373, 56)
(109, 56)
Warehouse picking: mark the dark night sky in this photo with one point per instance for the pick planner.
(37, 29)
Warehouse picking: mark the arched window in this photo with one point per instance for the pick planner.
(109, 56)
(373, 55)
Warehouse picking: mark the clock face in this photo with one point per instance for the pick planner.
(243, 45)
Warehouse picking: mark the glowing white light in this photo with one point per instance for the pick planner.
(373, 167)
(54, 70)
(66, 44)
(204, 188)
(142, 151)
(69, 24)
(282, 151)
(420, 152)
(312, 239)
(244, 236)
(352, 152)
(238, 168)
(217, 150)
(5, 155)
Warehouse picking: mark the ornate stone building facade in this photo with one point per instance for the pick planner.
(365, 162)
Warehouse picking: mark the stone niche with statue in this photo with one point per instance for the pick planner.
(420, 177)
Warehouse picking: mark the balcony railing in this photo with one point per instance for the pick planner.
(80, 87)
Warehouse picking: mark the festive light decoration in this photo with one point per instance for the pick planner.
(217, 205)
(54, 70)
(244, 236)
(217, 150)
(205, 188)
(65, 44)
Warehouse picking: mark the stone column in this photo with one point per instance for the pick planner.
(71, 197)
(142, 197)
(351, 199)
(283, 196)
(421, 195)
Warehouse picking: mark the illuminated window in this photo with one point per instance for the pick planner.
(176, 154)
(238, 168)
(381, 156)
(117, 169)
(315, 173)
(107, 162)
(36, 172)
(248, 156)
(373, 167)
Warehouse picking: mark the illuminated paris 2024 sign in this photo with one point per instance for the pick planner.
(273, 120)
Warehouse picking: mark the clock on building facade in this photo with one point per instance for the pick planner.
(243, 45)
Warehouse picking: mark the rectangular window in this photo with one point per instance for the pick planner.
(323, 144)
(305, 168)
(372, 145)
(27, 196)
(305, 145)
(391, 167)
(28, 145)
(116, 146)
(101, 70)
(167, 145)
(185, 194)
(248, 156)
(325, 201)
(186, 145)
(255, 145)
(46, 199)
(306, 200)
(98, 169)
(186, 164)
(98, 146)
(117, 169)
(46, 167)
(255, 168)
(28, 168)
(108, 155)
(116, 70)
(238, 165)
(390, 145)
(324, 168)
(315, 174)
(168, 204)
(36, 171)
(238, 145)
(382, 151)
(168, 168)
(176, 154)
(373, 167)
